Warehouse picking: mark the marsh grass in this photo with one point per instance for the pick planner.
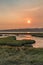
(11, 41)
(19, 56)
(37, 34)
(16, 52)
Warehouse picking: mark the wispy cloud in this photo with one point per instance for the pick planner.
(32, 9)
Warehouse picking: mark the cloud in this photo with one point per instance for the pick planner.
(32, 9)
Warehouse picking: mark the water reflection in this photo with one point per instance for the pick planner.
(21, 37)
(39, 41)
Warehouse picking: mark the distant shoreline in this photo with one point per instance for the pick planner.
(36, 34)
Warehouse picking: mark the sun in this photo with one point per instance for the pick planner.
(28, 21)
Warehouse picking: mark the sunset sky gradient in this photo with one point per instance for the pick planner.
(15, 13)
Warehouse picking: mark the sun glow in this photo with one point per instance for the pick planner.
(28, 21)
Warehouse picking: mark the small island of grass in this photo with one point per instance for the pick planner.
(37, 34)
(11, 41)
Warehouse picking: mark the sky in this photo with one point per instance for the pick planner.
(14, 14)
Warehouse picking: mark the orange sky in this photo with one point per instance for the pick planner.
(15, 13)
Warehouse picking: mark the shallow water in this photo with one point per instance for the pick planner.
(38, 43)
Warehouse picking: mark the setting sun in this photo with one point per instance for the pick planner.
(28, 21)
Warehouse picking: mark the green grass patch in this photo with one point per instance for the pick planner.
(11, 41)
(20, 56)
(37, 34)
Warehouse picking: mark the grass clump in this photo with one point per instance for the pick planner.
(37, 34)
(11, 41)
(29, 56)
